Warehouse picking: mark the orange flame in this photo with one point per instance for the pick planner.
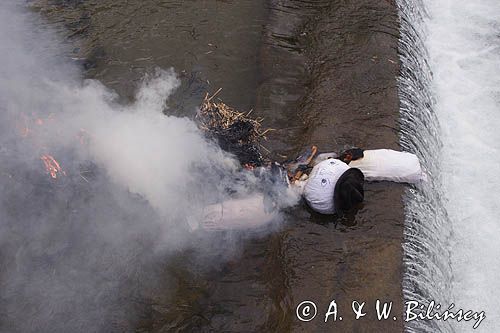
(25, 123)
(24, 131)
(52, 166)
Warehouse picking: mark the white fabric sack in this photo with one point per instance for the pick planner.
(387, 164)
(319, 188)
(245, 213)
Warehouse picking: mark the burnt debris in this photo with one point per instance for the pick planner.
(234, 131)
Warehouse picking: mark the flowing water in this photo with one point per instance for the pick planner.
(427, 229)
(450, 52)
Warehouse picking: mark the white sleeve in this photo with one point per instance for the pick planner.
(391, 165)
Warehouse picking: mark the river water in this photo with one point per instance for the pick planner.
(464, 49)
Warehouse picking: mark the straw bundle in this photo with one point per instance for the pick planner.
(234, 131)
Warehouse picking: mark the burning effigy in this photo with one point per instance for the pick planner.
(241, 135)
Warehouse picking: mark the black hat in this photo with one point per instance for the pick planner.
(356, 154)
(348, 190)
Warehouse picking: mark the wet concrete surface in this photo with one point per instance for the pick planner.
(318, 72)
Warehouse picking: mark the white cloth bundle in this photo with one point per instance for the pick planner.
(387, 164)
(234, 214)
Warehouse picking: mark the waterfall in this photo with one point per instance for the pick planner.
(449, 96)
(427, 229)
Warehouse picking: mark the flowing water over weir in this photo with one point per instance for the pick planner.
(449, 97)
(427, 268)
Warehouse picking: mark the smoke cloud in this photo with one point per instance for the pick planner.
(78, 244)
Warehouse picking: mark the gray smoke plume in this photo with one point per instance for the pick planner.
(80, 240)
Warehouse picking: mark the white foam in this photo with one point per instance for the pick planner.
(464, 50)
